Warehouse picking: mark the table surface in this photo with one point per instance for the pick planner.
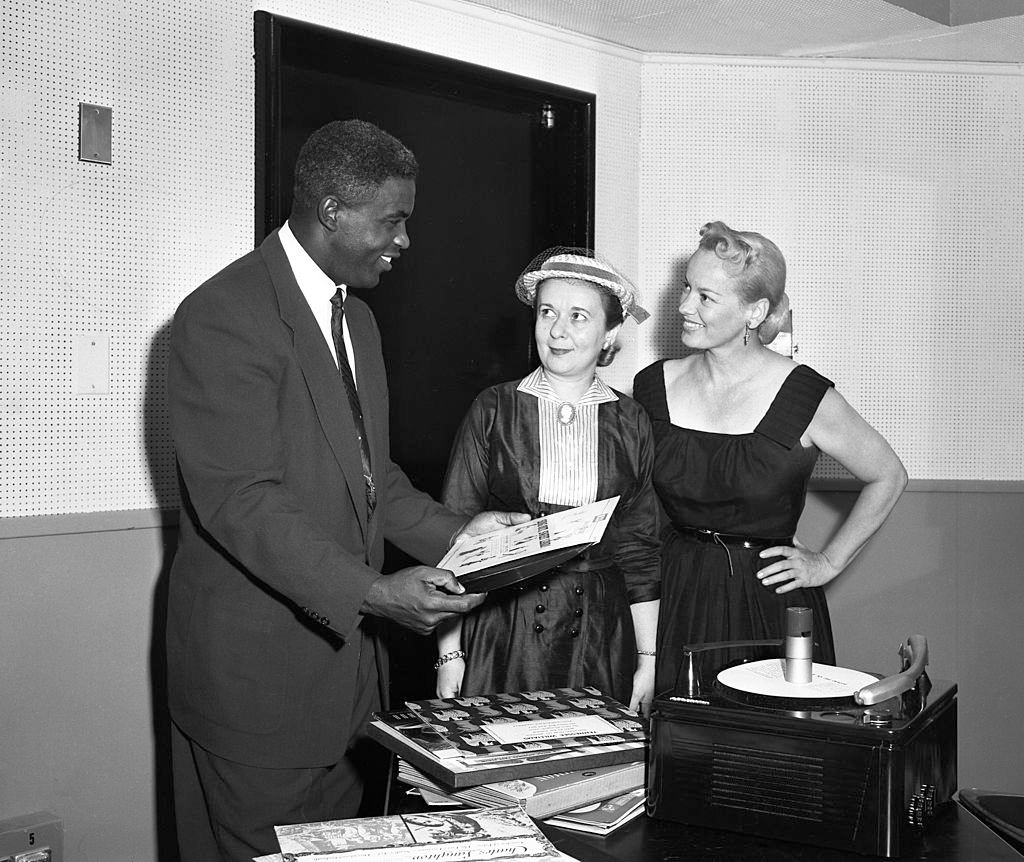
(955, 835)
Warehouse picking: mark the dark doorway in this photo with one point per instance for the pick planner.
(506, 170)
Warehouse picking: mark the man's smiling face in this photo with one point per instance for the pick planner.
(370, 235)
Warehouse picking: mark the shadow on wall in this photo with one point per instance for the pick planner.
(157, 424)
(665, 320)
(665, 316)
(163, 474)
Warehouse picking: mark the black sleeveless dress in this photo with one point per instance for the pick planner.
(750, 485)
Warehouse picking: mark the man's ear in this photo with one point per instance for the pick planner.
(329, 212)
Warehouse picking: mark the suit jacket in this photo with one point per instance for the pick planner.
(276, 552)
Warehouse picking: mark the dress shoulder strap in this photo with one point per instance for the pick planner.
(649, 390)
(794, 406)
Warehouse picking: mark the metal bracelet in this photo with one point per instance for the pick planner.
(449, 656)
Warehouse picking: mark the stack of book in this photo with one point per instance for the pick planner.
(548, 752)
(469, 741)
(540, 796)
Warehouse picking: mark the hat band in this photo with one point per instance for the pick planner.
(582, 269)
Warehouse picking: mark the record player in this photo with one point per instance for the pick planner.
(790, 749)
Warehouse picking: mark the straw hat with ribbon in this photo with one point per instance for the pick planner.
(581, 263)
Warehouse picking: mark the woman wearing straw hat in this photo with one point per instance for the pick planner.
(559, 438)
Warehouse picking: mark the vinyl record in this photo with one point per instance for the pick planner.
(763, 684)
(506, 574)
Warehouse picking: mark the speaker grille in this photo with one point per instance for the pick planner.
(772, 783)
(823, 784)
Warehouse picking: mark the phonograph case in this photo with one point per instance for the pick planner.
(832, 772)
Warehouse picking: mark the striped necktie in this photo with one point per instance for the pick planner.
(337, 333)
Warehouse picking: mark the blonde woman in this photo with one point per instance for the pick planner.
(738, 428)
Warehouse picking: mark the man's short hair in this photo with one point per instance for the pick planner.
(350, 159)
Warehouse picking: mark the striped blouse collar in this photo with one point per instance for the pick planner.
(536, 383)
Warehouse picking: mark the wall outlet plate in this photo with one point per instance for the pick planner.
(32, 833)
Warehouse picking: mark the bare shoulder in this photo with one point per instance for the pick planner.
(675, 370)
(835, 420)
(777, 364)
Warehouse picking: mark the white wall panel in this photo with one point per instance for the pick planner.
(898, 199)
(896, 196)
(112, 249)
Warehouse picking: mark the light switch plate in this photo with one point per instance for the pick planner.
(90, 364)
(94, 122)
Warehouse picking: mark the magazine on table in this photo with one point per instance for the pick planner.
(466, 741)
(452, 836)
(601, 818)
(484, 726)
(517, 553)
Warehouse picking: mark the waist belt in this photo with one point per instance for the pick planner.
(731, 540)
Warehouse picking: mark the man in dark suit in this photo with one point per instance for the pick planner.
(279, 413)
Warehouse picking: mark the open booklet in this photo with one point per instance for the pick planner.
(514, 554)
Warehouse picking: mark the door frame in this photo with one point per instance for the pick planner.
(414, 70)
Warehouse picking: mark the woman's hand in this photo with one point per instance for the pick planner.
(643, 685)
(449, 677)
(795, 568)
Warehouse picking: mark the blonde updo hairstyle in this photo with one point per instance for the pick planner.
(757, 265)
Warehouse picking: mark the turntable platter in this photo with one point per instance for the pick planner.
(767, 679)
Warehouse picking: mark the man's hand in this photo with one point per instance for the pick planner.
(419, 598)
(488, 522)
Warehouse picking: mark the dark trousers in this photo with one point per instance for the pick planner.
(227, 811)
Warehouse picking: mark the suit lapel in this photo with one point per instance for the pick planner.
(325, 385)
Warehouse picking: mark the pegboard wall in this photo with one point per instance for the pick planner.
(111, 249)
(897, 197)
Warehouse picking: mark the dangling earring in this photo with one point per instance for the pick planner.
(746, 334)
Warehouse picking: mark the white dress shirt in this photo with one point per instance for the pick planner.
(318, 289)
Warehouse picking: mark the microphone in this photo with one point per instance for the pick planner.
(799, 646)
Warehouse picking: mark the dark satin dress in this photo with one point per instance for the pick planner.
(745, 484)
(572, 625)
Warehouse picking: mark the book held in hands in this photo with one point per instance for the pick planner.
(517, 553)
